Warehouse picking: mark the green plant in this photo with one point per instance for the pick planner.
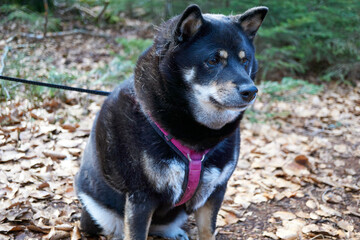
(33, 19)
(123, 64)
(289, 89)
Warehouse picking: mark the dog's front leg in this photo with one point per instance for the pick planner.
(139, 208)
(206, 215)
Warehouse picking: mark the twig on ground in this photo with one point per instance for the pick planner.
(11, 38)
(324, 193)
(65, 33)
(106, 3)
(80, 8)
(26, 45)
(3, 57)
(46, 7)
(316, 237)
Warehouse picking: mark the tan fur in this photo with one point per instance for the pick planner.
(223, 90)
(241, 54)
(203, 221)
(129, 213)
(252, 24)
(191, 25)
(171, 175)
(127, 231)
(223, 54)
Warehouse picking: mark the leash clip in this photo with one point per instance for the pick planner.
(188, 156)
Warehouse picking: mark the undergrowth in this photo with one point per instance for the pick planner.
(288, 89)
(33, 19)
(123, 64)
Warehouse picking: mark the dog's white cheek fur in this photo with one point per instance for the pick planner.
(189, 75)
(169, 175)
(109, 221)
(205, 112)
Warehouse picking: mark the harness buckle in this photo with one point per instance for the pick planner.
(189, 158)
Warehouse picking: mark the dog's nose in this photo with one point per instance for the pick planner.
(248, 93)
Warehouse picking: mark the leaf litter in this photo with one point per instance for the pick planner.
(297, 178)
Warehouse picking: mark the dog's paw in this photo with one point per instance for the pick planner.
(181, 236)
(170, 233)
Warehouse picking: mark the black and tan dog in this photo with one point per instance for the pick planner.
(194, 83)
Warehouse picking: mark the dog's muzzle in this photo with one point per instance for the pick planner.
(248, 93)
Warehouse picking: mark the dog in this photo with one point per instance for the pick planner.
(166, 141)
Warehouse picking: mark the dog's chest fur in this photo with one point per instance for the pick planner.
(171, 176)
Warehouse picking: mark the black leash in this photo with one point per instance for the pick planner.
(52, 85)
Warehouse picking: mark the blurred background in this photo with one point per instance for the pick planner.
(317, 41)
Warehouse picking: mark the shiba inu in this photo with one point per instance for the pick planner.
(166, 141)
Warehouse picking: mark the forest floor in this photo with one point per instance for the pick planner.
(298, 175)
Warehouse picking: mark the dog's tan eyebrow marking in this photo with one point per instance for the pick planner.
(223, 54)
(242, 54)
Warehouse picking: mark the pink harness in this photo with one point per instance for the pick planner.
(194, 159)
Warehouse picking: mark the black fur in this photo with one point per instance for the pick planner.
(113, 172)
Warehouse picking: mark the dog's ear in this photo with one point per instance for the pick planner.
(251, 20)
(189, 24)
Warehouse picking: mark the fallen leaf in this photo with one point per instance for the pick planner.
(284, 215)
(67, 143)
(345, 225)
(54, 155)
(330, 211)
(56, 234)
(340, 148)
(270, 235)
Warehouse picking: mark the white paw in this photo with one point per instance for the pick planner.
(182, 236)
(173, 233)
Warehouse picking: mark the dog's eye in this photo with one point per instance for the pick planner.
(214, 60)
(244, 61)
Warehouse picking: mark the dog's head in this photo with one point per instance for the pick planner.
(210, 60)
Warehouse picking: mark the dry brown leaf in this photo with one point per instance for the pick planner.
(75, 151)
(56, 234)
(41, 195)
(64, 227)
(284, 215)
(295, 169)
(345, 225)
(38, 229)
(68, 143)
(43, 185)
(302, 160)
(311, 204)
(314, 216)
(11, 156)
(291, 229)
(340, 148)
(333, 198)
(70, 127)
(220, 221)
(231, 218)
(270, 235)
(75, 234)
(302, 214)
(54, 155)
(311, 228)
(329, 211)
(7, 227)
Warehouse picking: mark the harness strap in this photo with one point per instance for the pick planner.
(193, 158)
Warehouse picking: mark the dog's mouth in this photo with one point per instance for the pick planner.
(236, 107)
